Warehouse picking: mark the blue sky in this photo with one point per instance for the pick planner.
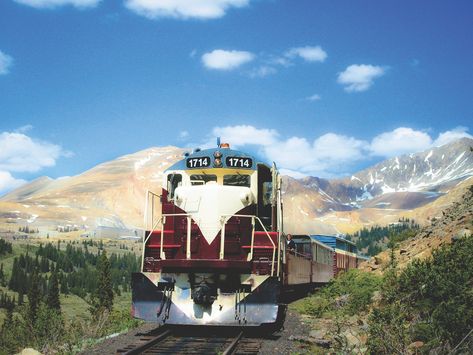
(323, 87)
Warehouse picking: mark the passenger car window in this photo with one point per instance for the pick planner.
(202, 179)
(237, 180)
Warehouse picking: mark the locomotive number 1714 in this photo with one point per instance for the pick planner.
(238, 162)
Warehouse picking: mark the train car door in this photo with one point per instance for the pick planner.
(265, 192)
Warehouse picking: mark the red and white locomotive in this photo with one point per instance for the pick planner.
(215, 253)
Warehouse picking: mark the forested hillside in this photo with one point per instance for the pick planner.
(376, 239)
(35, 279)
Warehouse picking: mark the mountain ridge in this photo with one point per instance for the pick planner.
(112, 193)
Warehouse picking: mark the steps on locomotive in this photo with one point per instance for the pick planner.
(262, 248)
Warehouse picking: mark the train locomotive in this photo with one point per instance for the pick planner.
(214, 251)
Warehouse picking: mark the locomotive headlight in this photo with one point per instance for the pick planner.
(218, 162)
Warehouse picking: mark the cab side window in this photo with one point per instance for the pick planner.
(237, 180)
(201, 179)
(174, 181)
(267, 193)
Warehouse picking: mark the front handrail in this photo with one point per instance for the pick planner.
(225, 219)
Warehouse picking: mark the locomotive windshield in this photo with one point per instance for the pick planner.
(202, 179)
(237, 180)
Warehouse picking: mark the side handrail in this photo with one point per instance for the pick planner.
(146, 240)
(162, 220)
(225, 219)
(147, 203)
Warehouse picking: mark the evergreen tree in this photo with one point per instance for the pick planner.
(102, 299)
(64, 287)
(13, 284)
(2, 275)
(53, 293)
(34, 297)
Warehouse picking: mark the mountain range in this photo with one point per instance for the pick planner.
(111, 195)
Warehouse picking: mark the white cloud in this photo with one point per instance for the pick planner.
(242, 135)
(358, 78)
(262, 71)
(328, 155)
(452, 135)
(24, 129)
(183, 9)
(339, 147)
(315, 97)
(308, 53)
(402, 140)
(20, 153)
(283, 61)
(23, 154)
(266, 64)
(296, 156)
(39, 4)
(8, 182)
(5, 63)
(220, 59)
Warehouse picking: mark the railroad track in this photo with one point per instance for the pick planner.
(196, 341)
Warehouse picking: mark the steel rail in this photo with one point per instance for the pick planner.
(140, 349)
(232, 347)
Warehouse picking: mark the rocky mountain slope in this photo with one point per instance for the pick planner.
(454, 222)
(111, 194)
(408, 186)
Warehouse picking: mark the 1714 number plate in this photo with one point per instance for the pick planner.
(239, 162)
(201, 162)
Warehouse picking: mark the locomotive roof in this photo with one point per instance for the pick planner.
(226, 153)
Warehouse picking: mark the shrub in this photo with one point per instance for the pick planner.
(434, 297)
(388, 330)
(349, 293)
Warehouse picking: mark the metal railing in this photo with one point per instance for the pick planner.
(149, 207)
(162, 221)
(226, 218)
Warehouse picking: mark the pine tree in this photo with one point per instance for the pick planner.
(2, 275)
(64, 287)
(53, 293)
(34, 298)
(13, 284)
(102, 299)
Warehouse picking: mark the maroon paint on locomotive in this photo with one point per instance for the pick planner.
(203, 254)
